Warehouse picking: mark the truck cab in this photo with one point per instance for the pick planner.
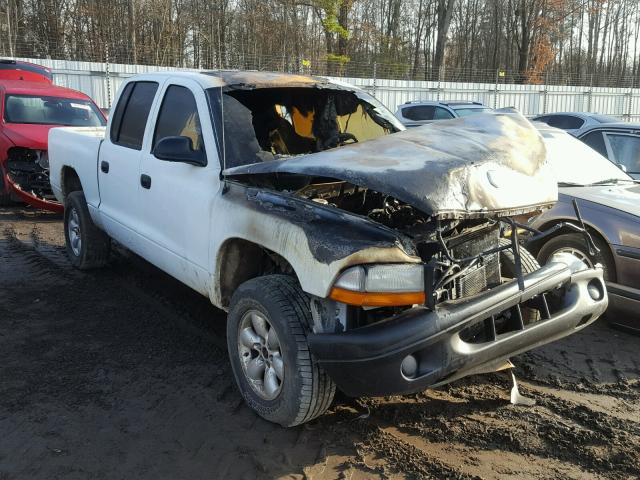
(348, 252)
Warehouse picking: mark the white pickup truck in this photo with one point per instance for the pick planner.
(347, 251)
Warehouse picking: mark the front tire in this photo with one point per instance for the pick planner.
(268, 320)
(87, 246)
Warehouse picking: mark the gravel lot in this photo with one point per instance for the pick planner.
(123, 373)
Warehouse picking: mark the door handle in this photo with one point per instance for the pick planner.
(145, 181)
(104, 166)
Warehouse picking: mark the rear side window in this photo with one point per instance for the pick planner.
(565, 122)
(132, 111)
(572, 123)
(442, 114)
(179, 117)
(419, 112)
(596, 141)
(554, 121)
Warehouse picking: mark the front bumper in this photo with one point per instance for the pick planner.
(31, 199)
(368, 360)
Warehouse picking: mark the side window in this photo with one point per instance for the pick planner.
(596, 141)
(418, 112)
(626, 150)
(119, 110)
(178, 117)
(442, 114)
(571, 123)
(544, 119)
(555, 121)
(565, 122)
(132, 111)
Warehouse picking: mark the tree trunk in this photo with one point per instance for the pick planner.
(444, 13)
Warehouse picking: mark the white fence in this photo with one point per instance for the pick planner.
(100, 81)
(528, 99)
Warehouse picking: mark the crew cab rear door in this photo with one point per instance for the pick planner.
(178, 196)
(119, 163)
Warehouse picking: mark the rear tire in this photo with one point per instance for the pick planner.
(276, 375)
(87, 246)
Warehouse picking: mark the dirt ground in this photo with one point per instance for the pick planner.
(123, 373)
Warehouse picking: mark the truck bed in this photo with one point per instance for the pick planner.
(75, 147)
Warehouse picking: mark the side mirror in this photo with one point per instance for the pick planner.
(622, 167)
(179, 149)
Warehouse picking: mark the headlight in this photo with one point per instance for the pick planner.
(380, 285)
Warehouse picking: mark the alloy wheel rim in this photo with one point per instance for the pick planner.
(577, 253)
(260, 354)
(73, 228)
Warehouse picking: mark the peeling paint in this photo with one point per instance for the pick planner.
(331, 234)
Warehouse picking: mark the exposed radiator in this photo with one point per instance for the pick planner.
(487, 273)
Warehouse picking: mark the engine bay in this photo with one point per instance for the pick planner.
(458, 253)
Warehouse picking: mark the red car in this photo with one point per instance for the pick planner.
(28, 110)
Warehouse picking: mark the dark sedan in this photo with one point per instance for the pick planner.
(609, 202)
(619, 142)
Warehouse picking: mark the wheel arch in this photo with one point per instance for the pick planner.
(69, 181)
(239, 260)
(592, 229)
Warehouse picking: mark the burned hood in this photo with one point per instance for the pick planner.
(473, 166)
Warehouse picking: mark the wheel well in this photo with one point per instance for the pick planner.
(70, 181)
(595, 234)
(240, 260)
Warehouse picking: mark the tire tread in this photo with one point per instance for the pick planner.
(317, 390)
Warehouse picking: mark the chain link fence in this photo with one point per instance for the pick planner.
(210, 57)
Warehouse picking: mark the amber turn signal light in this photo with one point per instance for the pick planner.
(376, 299)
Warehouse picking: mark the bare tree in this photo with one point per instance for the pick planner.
(579, 40)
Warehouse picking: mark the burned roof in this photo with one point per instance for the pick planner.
(259, 79)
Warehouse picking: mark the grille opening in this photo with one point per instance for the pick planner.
(517, 318)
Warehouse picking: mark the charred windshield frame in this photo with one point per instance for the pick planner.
(49, 98)
(242, 138)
